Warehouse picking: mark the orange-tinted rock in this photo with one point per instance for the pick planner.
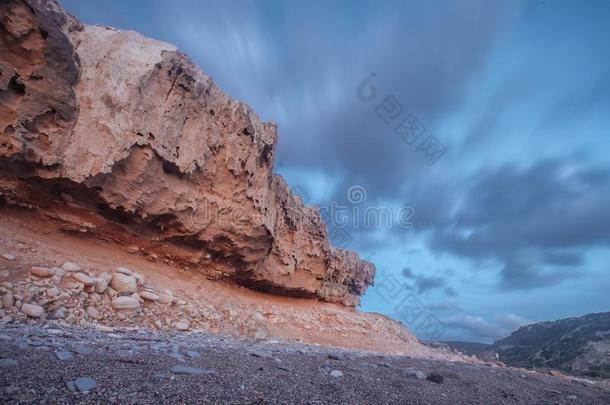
(143, 140)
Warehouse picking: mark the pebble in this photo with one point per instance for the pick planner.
(104, 328)
(82, 349)
(192, 370)
(73, 285)
(7, 363)
(60, 313)
(83, 278)
(182, 325)
(286, 368)
(33, 310)
(53, 292)
(101, 285)
(71, 386)
(123, 283)
(149, 296)
(336, 373)
(193, 354)
(42, 272)
(63, 355)
(124, 270)
(435, 377)
(84, 384)
(260, 354)
(128, 303)
(416, 373)
(70, 266)
(166, 297)
(9, 256)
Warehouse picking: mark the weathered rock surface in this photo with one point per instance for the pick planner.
(579, 345)
(141, 140)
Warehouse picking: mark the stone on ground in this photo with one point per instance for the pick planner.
(123, 283)
(84, 384)
(127, 303)
(192, 370)
(41, 272)
(71, 266)
(33, 310)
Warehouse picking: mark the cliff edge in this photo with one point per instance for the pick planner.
(112, 134)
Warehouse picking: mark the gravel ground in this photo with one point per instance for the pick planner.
(41, 364)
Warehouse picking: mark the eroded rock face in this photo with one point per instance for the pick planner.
(123, 137)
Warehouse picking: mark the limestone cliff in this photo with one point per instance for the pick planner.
(122, 137)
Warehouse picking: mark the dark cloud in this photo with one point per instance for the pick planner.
(480, 328)
(425, 283)
(450, 291)
(475, 326)
(563, 258)
(407, 273)
(444, 306)
(526, 218)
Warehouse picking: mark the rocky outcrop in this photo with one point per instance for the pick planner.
(579, 345)
(123, 137)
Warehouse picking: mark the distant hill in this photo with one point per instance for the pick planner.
(579, 346)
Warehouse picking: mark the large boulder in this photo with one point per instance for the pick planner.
(143, 140)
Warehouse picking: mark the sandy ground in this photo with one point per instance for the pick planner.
(296, 360)
(139, 367)
(227, 307)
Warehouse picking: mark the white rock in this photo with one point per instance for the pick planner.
(8, 256)
(166, 297)
(182, 325)
(70, 266)
(412, 372)
(73, 285)
(100, 284)
(124, 270)
(83, 278)
(140, 279)
(53, 292)
(104, 328)
(33, 310)
(128, 303)
(149, 295)
(123, 283)
(336, 373)
(42, 272)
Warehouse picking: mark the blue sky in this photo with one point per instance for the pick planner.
(512, 221)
